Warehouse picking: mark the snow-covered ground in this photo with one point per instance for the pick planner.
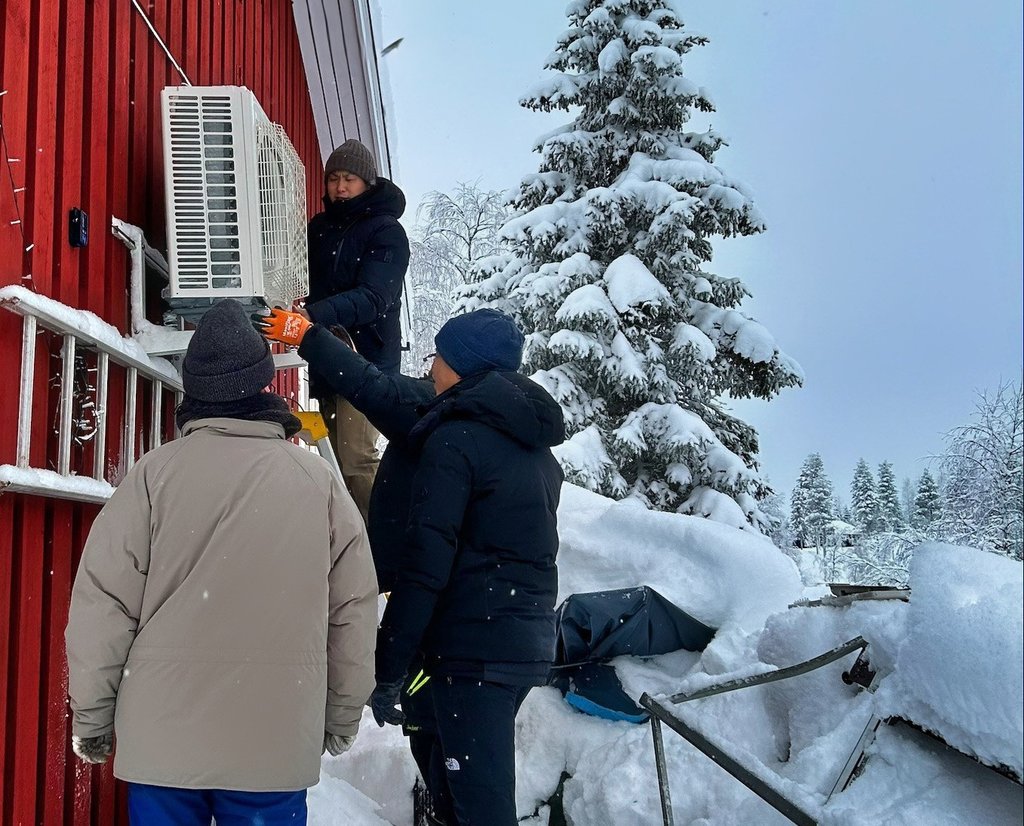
(950, 659)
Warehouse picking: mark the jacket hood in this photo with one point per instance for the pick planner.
(383, 198)
(506, 401)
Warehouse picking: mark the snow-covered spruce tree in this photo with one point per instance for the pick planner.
(625, 328)
(812, 503)
(890, 513)
(864, 498)
(927, 502)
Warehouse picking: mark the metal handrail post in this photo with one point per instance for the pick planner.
(662, 766)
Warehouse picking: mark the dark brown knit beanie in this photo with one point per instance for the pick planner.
(352, 157)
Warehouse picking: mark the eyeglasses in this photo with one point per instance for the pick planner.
(428, 357)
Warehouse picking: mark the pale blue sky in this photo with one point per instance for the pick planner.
(883, 143)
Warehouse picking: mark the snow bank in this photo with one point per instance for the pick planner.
(959, 671)
(334, 801)
(379, 767)
(909, 782)
(949, 659)
(721, 575)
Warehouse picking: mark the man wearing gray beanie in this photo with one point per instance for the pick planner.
(358, 256)
(224, 610)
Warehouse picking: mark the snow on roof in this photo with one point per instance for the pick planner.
(959, 671)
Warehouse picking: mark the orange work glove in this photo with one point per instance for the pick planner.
(283, 326)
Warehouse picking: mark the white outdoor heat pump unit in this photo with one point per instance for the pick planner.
(236, 202)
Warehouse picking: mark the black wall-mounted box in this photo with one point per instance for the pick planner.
(78, 227)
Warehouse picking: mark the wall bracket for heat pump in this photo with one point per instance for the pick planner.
(167, 341)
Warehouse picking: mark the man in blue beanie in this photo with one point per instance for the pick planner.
(472, 462)
(476, 590)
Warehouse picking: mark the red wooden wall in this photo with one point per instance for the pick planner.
(81, 127)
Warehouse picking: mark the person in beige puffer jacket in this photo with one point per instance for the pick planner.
(223, 619)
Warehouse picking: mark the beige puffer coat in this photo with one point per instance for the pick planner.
(224, 613)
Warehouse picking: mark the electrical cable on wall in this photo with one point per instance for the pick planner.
(15, 190)
(156, 34)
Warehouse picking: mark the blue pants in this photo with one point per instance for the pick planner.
(166, 806)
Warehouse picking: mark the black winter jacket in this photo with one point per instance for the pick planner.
(390, 402)
(477, 586)
(358, 255)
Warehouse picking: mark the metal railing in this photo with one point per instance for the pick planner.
(774, 796)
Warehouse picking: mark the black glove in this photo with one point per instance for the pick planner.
(383, 701)
(93, 749)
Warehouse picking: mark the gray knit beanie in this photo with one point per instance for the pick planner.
(353, 157)
(227, 359)
(480, 341)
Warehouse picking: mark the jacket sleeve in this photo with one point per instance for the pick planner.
(388, 400)
(378, 283)
(352, 619)
(106, 603)
(441, 491)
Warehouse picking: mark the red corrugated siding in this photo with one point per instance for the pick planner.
(81, 124)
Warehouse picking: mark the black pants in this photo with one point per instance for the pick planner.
(473, 757)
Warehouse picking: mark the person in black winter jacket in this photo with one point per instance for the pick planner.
(475, 593)
(391, 402)
(358, 256)
(483, 609)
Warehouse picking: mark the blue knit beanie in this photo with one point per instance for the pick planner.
(479, 341)
(227, 359)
